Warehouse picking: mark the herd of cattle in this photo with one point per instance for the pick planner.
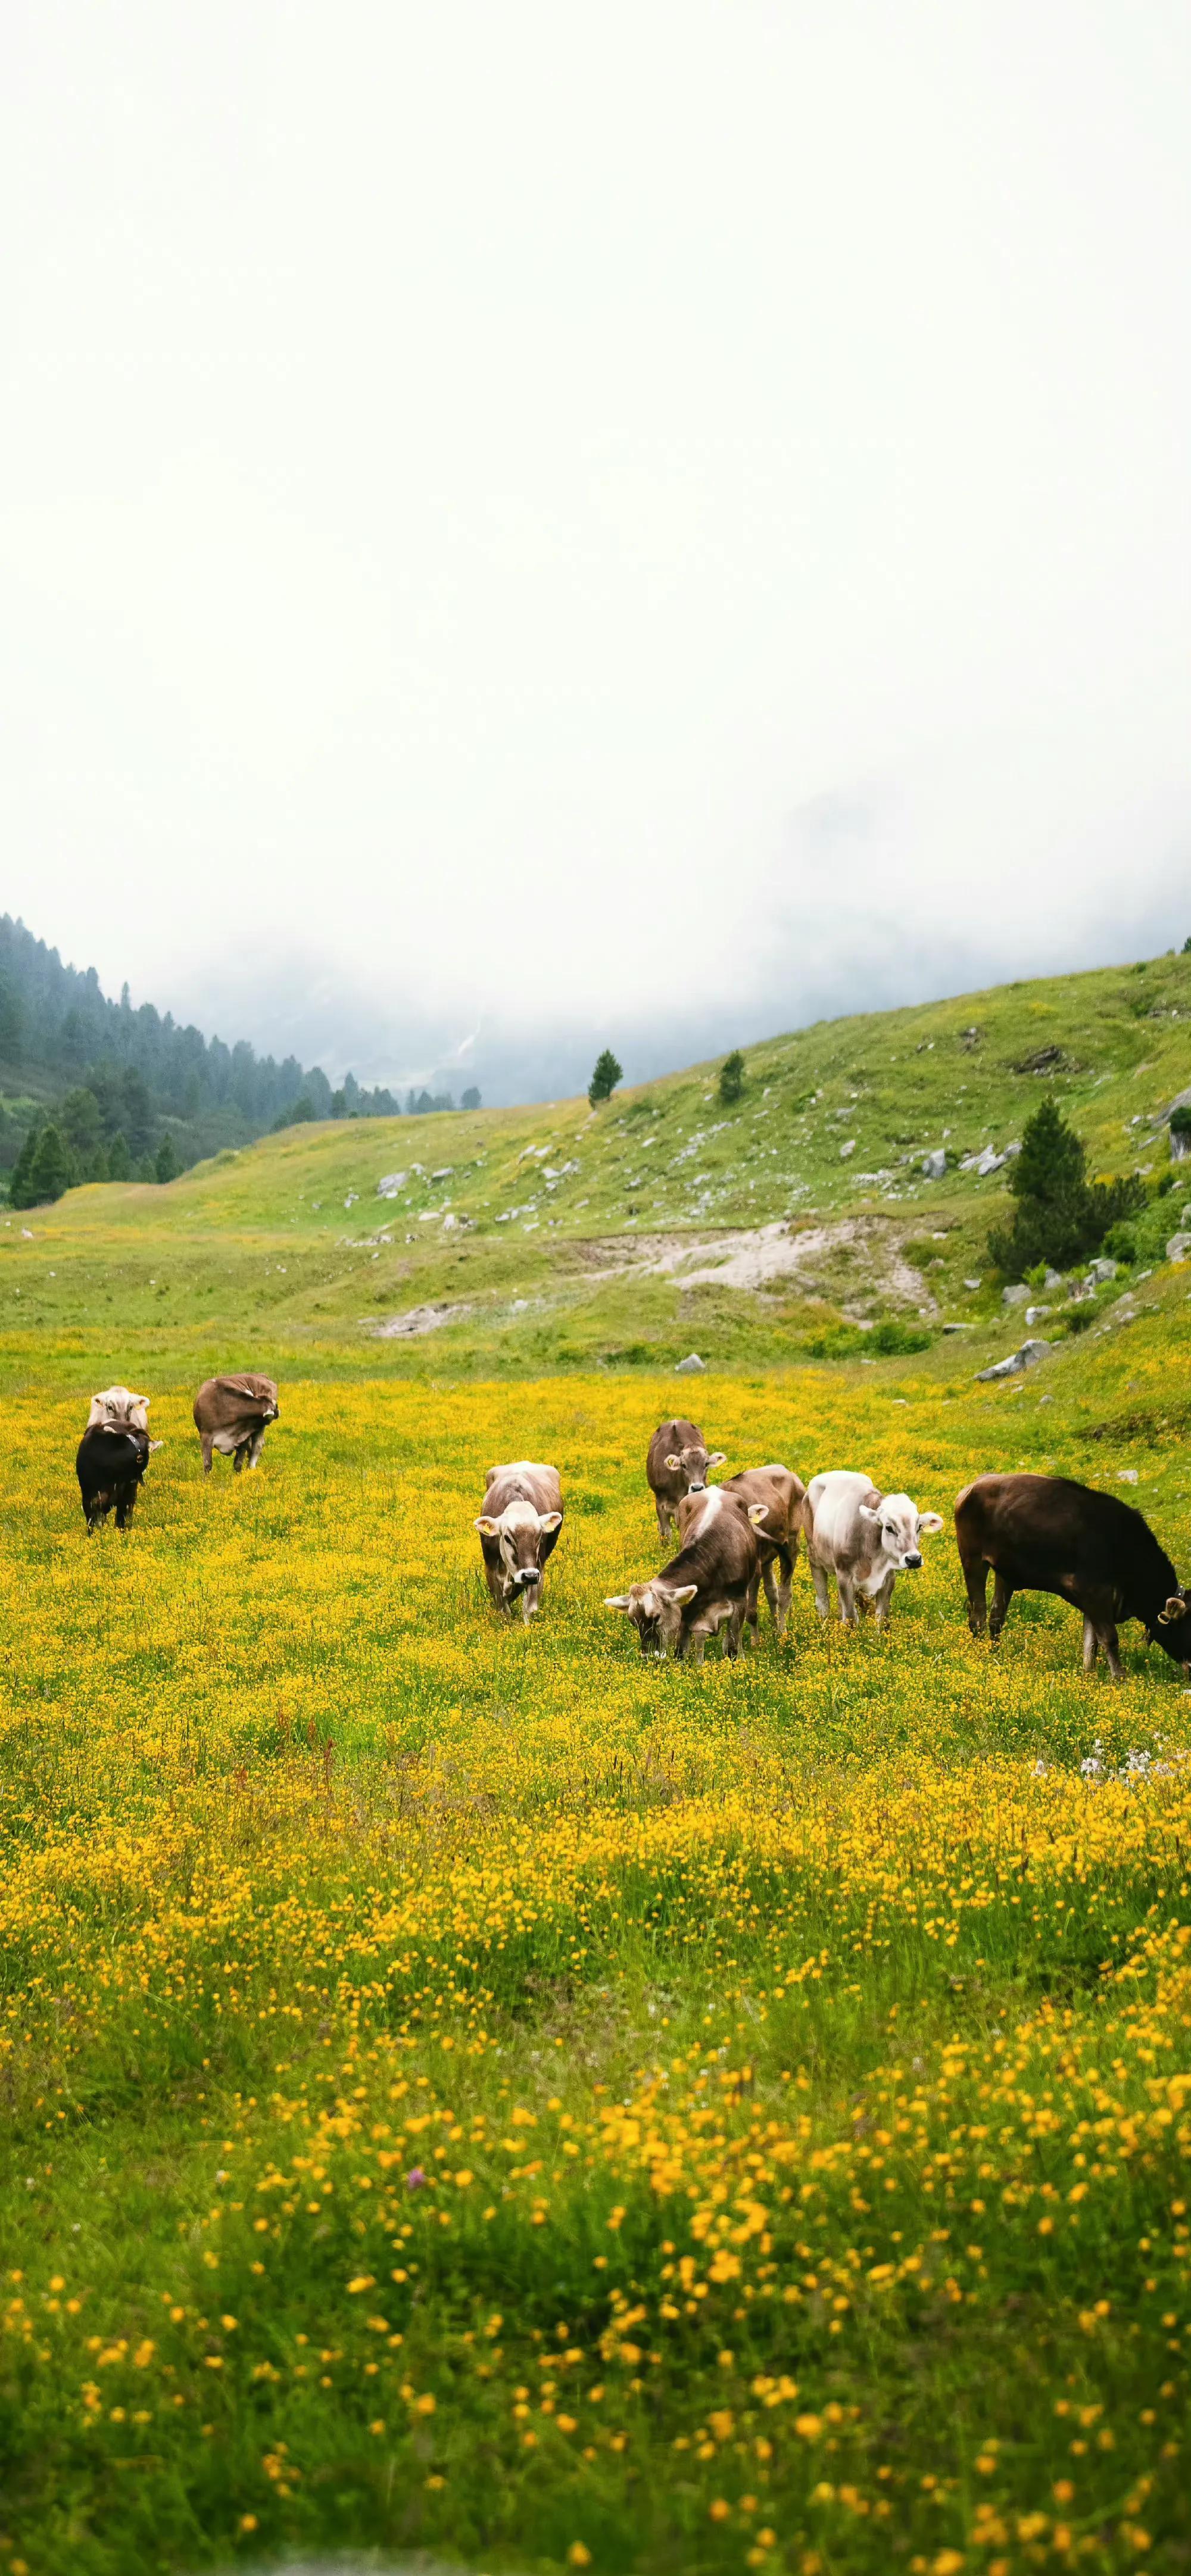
(1035, 1533)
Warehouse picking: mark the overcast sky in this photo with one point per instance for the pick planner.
(521, 524)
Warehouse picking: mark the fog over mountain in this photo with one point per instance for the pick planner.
(520, 528)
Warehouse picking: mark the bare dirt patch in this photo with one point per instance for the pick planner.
(417, 1319)
(865, 1248)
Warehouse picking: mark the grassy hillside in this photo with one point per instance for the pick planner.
(474, 2091)
(557, 1237)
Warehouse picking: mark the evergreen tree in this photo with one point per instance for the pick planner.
(605, 1078)
(298, 1116)
(119, 1158)
(19, 1188)
(731, 1078)
(12, 1021)
(471, 1098)
(50, 1172)
(1061, 1218)
(166, 1164)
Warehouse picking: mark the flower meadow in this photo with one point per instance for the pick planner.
(473, 2090)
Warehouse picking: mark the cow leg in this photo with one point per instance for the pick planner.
(665, 1517)
(531, 1602)
(846, 1591)
(125, 1506)
(975, 1571)
(207, 1447)
(779, 1583)
(1112, 1648)
(238, 1458)
(883, 1601)
(819, 1579)
(1091, 1646)
(732, 1628)
(752, 1612)
(255, 1446)
(1002, 1596)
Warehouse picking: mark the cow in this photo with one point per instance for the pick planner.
(783, 1494)
(1048, 1534)
(519, 1528)
(862, 1537)
(232, 1414)
(677, 1464)
(705, 1587)
(110, 1465)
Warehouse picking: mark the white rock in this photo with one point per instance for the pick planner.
(1103, 1268)
(1179, 1247)
(443, 1173)
(1034, 1314)
(988, 1161)
(690, 1366)
(1126, 1475)
(971, 1283)
(1027, 1357)
(389, 1186)
(935, 1165)
(1033, 1351)
(1015, 1296)
(1053, 1279)
(847, 1149)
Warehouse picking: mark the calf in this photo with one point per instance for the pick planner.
(862, 1537)
(519, 1529)
(783, 1494)
(232, 1414)
(677, 1464)
(111, 1461)
(1048, 1534)
(705, 1587)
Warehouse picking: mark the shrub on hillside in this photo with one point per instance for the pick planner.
(605, 1077)
(732, 1078)
(1061, 1217)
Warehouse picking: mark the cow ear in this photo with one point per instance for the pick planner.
(929, 1521)
(157, 1444)
(487, 1527)
(758, 1512)
(673, 1462)
(717, 1457)
(549, 1521)
(866, 1515)
(618, 1601)
(682, 1593)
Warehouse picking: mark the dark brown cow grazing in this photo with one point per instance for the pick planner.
(783, 1493)
(1047, 1534)
(519, 1528)
(677, 1464)
(232, 1414)
(705, 1587)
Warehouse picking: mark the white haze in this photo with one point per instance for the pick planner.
(527, 525)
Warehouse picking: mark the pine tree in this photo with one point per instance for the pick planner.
(119, 1158)
(50, 1173)
(605, 1078)
(19, 1188)
(471, 1098)
(1061, 1218)
(731, 1078)
(166, 1164)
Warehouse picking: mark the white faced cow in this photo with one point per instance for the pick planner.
(116, 1408)
(862, 1537)
(519, 1529)
(706, 1586)
(678, 1464)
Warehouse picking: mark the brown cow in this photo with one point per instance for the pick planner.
(519, 1529)
(232, 1414)
(1048, 1534)
(784, 1494)
(677, 1464)
(705, 1587)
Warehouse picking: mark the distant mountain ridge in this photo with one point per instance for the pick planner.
(100, 1069)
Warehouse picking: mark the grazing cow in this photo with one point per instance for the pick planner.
(783, 1494)
(705, 1587)
(864, 1538)
(1048, 1534)
(109, 1466)
(232, 1414)
(519, 1529)
(677, 1464)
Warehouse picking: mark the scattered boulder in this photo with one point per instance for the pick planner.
(1126, 1475)
(1103, 1269)
(934, 1165)
(1017, 1295)
(690, 1366)
(1027, 1357)
(1035, 1314)
(1179, 1248)
(389, 1186)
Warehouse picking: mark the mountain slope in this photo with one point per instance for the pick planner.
(552, 1236)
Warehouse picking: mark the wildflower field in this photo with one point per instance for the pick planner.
(472, 2090)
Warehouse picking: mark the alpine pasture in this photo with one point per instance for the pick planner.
(472, 2090)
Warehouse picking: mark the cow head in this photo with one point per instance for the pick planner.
(118, 1409)
(1172, 1627)
(656, 1610)
(519, 1531)
(692, 1464)
(894, 1529)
